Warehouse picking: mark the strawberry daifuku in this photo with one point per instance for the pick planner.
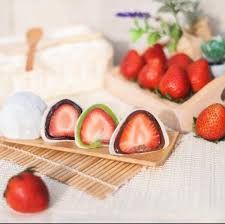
(139, 132)
(95, 127)
(59, 121)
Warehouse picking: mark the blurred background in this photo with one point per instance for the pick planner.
(16, 16)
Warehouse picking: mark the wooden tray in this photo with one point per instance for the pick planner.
(156, 158)
(176, 116)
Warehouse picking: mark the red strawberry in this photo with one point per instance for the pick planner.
(151, 74)
(175, 83)
(62, 119)
(210, 124)
(139, 133)
(131, 65)
(199, 74)
(97, 126)
(180, 59)
(27, 193)
(155, 52)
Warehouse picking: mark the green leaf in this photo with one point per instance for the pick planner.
(160, 1)
(165, 27)
(172, 46)
(153, 38)
(167, 96)
(175, 32)
(136, 34)
(165, 9)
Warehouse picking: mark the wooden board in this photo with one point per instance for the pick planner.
(156, 158)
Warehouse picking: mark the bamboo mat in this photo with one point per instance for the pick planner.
(96, 176)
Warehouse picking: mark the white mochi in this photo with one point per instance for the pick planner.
(20, 116)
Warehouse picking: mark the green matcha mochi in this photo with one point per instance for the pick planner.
(95, 127)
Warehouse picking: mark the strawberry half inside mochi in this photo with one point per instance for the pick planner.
(139, 133)
(61, 120)
(95, 127)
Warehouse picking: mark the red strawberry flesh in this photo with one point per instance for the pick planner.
(140, 133)
(97, 126)
(62, 119)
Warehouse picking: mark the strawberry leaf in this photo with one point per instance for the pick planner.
(194, 121)
(194, 125)
(167, 96)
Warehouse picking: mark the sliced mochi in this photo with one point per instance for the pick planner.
(59, 121)
(95, 127)
(139, 132)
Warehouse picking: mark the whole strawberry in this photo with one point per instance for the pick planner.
(27, 193)
(151, 74)
(131, 65)
(175, 83)
(210, 124)
(199, 74)
(180, 59)
(155, 52)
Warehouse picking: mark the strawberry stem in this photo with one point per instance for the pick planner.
(30, 169)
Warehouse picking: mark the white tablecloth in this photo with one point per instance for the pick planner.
(189, 187)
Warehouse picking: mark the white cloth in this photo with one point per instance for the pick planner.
(66, 68)
(189, 187)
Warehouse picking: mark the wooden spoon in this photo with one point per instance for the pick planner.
(33, 36)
